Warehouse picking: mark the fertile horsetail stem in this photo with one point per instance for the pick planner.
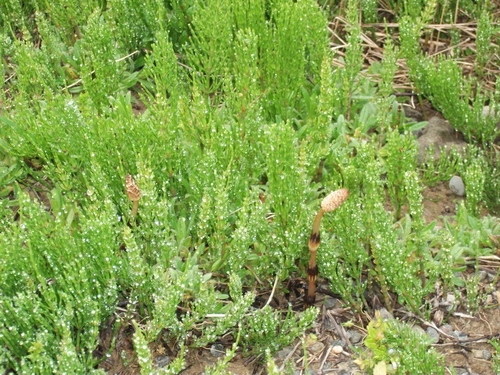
(331, 202)
(133, 193)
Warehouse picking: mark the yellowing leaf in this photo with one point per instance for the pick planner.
(380, 368)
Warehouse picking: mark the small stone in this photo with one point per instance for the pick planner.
(482, 275)
(162, 361)
(283, 353)
(446, 328)
(461, 336)
(450, 298)
(490, 112)
(487, 355)
(331, 302)
(461, 371)
(433, 334)
(477, 353)
(317, 347)
(412, 114)
(338, 343)
(337, 349)
(418, 329)
(385, 315)
(457, 186)
(217, 350)
(438, 317)
(354, 336)
(328, 365)
(489, 299)
(328, 325)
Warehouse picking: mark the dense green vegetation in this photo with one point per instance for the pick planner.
(234, 122)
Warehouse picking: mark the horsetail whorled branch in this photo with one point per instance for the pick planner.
(331, 202)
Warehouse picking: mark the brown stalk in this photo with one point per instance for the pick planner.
(330, 203)
(133, 193)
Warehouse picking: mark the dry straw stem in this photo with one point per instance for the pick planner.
(438, 41)
(331, 202)
(133, 193)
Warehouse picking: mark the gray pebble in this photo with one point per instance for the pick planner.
(331, 302)
(418, 329)
(162, 361)
(433, 334)
(385, 315)
(328, 365)
(457, 186)
(317, 347)
(461, 336)
(487, 355)
(461, 371)
(482, 275)
(477, 353)
(354, 336)
(328, 325)
(283, 353)
(338, 343)
(217, 350)
(446, 328)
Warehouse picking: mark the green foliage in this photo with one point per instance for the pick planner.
(244, 123)
(454, 97)
(135, 22)
(400, 158)
(440, 169)
(473, 236)
(369, 8)
(496, 357)
(59, 289)
(486, 32)
(145, 360)
(269, 329)
(366, 248)
(474, 179)
(462, 99)
(287, 41)
(354, 55)
(396, 348)
(101, 74)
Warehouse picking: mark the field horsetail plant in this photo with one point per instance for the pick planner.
(133, 193)
(330, 203)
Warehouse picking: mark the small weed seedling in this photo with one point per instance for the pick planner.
(393, 347)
